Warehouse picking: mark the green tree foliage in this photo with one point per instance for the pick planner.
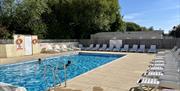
(175, 31)
(130, 26)
(4, 33)
(60, 18)
(23, 16)
(151, 28)
(80, 18)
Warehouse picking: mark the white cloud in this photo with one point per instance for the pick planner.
(132, 16)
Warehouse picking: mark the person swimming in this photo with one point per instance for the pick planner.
(68, 63)
(39, 60)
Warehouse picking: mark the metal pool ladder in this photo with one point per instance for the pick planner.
(55, 75)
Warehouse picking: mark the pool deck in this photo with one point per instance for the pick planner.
(118, 75)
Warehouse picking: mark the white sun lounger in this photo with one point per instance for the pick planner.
(154, 83)
(90, 47)
(126, 48)
(134, 48)
(153, 74)
(152, 49)
(50, 49)
(103, 48)
(96, 47)
(117, 48)
(158, 62)
(111, 47)
(141, 48)
(81, 47)
(156, 69)
(157, 65)
(148, 83)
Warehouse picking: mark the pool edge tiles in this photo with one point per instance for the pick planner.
(101, 53)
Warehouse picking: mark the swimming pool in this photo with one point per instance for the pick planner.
(35, 76)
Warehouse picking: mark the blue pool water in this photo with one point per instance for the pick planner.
(39, 77)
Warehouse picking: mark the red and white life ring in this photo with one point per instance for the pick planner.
(19, 41)
(34, 41)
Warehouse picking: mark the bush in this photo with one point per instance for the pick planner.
(4, 33)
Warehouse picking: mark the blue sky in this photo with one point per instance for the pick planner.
(162, 14)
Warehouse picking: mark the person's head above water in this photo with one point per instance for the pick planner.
(39, 59)
(69, 62)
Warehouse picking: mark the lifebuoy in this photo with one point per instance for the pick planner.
(34, 41)
(19, 41)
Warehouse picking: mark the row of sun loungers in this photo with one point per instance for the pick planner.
(125, 48)
(58, 48)
(163, 72)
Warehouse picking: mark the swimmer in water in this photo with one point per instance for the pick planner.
(68, 63)
(39, 60)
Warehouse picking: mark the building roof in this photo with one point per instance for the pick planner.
(129, 35)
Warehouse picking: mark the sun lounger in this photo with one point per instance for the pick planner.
(134, 48)
(81, 47)
(156, 69)
(165, 69)
(152, 49)
(153, 74)
(141, 48)
(65, 48)
(162, 75)
(148, 83)
(90, 47)
(117, 48)
(126, 48)
(111, 47)
(153, 83)
(103, 48)
(50, 49)
(96, 47)
(74, 48)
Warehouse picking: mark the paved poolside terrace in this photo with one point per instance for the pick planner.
(118, 75)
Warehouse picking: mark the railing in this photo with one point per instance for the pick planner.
(55, 75)
(6, 41)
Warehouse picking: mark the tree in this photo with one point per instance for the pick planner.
(81, 18)
(130, 26)
(4, 33)
(24, 17)
(151, 28)
(60, 18)
(175, 31)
